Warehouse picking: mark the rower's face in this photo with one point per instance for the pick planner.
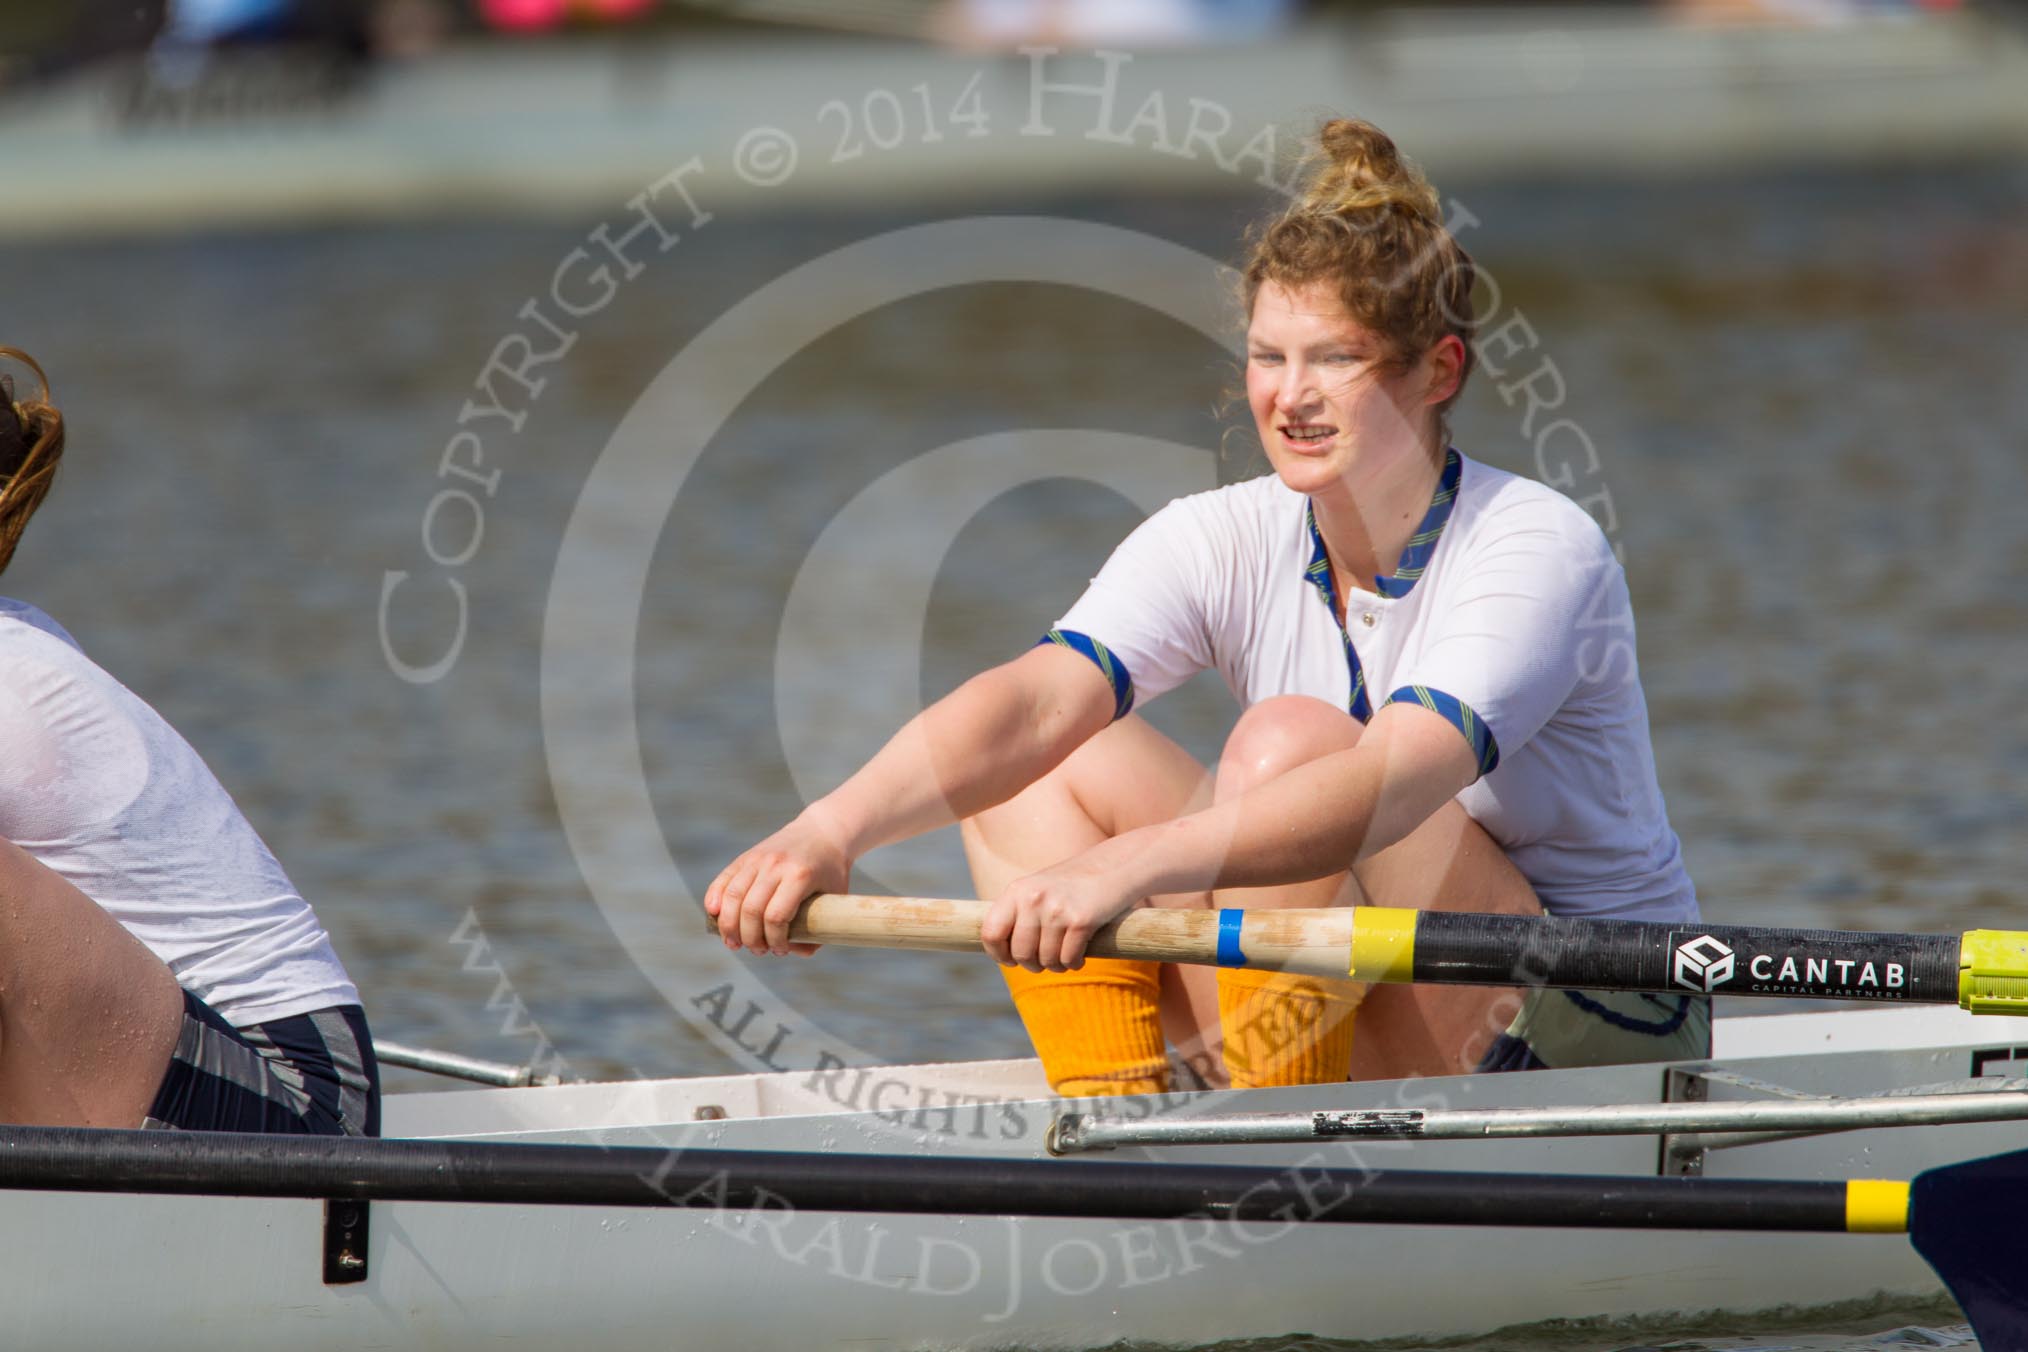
(1325, 400)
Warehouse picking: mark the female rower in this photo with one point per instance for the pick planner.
(1441, 709)
(157, 968)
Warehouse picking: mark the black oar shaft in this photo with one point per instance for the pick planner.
(1582, 954)
(59, 1159)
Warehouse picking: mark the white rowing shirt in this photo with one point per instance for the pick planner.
(1508, 616)
(95, 785)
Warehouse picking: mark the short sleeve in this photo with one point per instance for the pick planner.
(1507, 652)
(1146, 609)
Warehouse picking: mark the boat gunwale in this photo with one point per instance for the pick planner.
(673, 1103)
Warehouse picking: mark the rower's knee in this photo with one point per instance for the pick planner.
(1054, 798)
(1039, 826)
(1278, 734)
(1123, 776)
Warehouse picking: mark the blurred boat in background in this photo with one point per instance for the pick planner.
(568, 129)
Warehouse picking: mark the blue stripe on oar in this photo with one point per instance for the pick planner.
(1229, 921)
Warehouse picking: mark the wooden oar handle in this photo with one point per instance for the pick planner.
(1290, 940)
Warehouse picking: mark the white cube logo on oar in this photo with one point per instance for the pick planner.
(1704, 963)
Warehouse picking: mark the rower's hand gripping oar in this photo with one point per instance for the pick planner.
(1984, 971)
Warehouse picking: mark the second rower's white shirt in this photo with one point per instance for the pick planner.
(95, 785)
(1520, 618)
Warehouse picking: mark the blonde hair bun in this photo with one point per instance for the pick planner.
(1363, 171)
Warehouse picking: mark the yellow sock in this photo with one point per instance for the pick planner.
(1098, 1030)
(1282, 1028)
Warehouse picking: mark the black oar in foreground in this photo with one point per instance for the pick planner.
(1958, 1216)
(1985, 971)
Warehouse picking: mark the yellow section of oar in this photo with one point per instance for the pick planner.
(1993, 972)
(1876, 1206)
(1383, 943)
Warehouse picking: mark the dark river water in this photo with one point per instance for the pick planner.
(1805, 395)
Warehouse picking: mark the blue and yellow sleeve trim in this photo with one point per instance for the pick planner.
(1459, 715)
(1110, 667)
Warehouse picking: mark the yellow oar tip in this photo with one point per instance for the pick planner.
(1993, 972)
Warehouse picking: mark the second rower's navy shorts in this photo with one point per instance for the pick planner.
(306, 1075)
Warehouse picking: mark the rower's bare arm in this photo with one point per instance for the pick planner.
(978, 746)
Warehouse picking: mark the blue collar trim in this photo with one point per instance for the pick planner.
(1414, 559)
(1414, 563)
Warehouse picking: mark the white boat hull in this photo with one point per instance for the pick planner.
(233, 1273)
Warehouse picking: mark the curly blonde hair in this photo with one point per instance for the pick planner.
(31, 446)
(1369, 223)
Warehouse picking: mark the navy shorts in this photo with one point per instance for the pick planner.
(307, 1075)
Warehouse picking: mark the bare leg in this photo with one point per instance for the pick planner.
(1447, 863)
(88, 1016)
(1126, 777)
(1131, 776)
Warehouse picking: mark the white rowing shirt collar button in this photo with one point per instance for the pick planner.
(1367, 619)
